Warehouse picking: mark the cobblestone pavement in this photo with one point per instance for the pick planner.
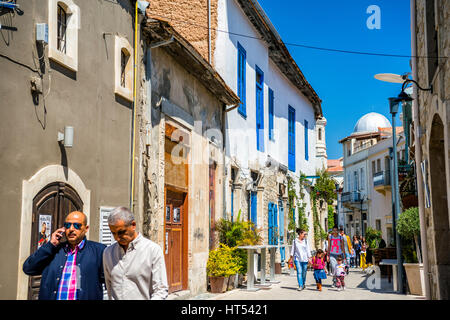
(356, 289)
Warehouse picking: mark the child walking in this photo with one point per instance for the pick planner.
(339, 273)
(318, 263)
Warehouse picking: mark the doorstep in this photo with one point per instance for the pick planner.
(180, 295)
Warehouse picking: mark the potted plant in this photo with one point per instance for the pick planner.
(408, 227)
(407, 190)
(221, 264)
(373, 238)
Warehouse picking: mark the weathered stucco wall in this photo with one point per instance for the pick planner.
(100, 155)
(173, 82)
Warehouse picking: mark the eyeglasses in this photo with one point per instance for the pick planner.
(76, 225)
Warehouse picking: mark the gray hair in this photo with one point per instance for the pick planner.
(121, 214)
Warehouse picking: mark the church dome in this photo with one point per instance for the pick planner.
(371, 122)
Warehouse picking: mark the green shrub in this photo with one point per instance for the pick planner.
(408, 223)
(238, 233)
(241, 256)
(222, 262)
(408, 227)
(373, 237)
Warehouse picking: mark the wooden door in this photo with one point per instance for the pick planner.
(50, 207)
(175, 243)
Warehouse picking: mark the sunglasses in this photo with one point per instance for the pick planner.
(76, 225)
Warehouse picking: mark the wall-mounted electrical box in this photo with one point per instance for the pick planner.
(42, 32)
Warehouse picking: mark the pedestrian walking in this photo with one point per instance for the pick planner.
(71, 266)
(134, 266)
(352, 258)
(357, 247)
(336, 249)
(326, 253)
(364, 247)
(347, 246)
(318, 263)
(301, 255)
(339, 273)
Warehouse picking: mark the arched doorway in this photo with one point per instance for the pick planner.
(439, 205)
(50, 207)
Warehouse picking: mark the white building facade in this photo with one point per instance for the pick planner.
(367, 196)
(273, 133)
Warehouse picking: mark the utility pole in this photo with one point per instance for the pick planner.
(393, 106)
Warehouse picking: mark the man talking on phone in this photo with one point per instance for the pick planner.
(70, 269)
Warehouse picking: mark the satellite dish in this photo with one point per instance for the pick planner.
(390, 77)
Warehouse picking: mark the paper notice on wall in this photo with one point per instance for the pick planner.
(45, 227)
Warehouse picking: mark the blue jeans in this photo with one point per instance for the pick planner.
(301, 272)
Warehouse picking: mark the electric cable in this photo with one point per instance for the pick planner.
(301, 45)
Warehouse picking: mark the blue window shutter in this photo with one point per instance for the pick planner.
(291, 139)
(270, 223)
(259, 109)
(242, 62)
(281, 228)
(306, 141)
(273, 224)
(271, 137)
(253, 207)
(232, 204)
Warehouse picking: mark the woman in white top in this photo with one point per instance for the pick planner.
(301, 255)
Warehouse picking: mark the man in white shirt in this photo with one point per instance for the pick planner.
(134, 266)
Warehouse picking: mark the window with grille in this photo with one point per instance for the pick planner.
(123, 65)
(62, 28)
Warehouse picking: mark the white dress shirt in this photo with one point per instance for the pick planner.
(138, 274)
(301, 250)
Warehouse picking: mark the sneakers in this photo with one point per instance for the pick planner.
(300, 289)
(339, 289)
(343, 288)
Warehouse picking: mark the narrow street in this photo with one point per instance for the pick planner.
(356, 289)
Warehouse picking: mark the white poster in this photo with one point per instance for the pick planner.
(45, 227)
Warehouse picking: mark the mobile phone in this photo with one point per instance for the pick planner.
(62, 237)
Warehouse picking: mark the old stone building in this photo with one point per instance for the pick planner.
(47, 89)
(181, 180)
(430, 143)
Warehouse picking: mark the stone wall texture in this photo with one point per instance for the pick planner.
(432, 106)
(190, 19)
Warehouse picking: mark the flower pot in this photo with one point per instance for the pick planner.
(225, 284)
(232, 281)
(277, 267)
(217, 284)
(415, 277)
(241, 279)
(409, 201)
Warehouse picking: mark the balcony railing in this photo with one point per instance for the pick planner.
(382, 178)
(352, 196)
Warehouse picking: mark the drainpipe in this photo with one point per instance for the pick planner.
(224, 180)
(418, 154)
(133, 135)
(209, 31)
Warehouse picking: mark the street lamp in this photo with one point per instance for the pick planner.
(393, 109)
(403, 97)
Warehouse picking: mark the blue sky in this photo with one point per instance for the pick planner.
(345, 82)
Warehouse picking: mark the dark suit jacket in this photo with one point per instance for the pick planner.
(49, 262)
